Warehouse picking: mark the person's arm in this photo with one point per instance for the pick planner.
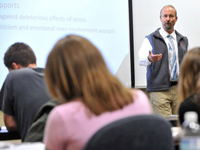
(55, 133)
(7, 105)
(143, 53)
(146, 57)
(1, 95)
(10, 123)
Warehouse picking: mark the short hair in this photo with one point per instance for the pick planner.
(168, 6)
(76, 69)
(20, 53)
(189, 80)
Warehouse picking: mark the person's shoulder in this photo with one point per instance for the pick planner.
(25, 71)
(70, 107)
(68, 111)
(139, 94)
(20, 71)
(189, 104)
(141, 101)
(46, 108)
(31, 70)
(155, 33)
(189, 101)
(179, 34)
(14, 75)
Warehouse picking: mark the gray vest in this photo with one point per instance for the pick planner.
(158, 77)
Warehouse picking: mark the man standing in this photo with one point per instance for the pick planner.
(162, 52)
(24, 90)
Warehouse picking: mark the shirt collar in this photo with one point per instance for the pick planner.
(165, 34)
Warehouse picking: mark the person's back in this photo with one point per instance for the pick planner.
(24, 90)
(25, 94)
(189, 84)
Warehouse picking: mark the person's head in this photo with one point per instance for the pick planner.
(189, 80)
(168, 18)
(19, 55)
(75, 69)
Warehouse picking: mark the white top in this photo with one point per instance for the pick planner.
(146, 46)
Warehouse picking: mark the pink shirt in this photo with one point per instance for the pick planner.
(69, 126)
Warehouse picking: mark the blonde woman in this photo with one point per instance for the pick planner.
(189, 84)
(92, 97)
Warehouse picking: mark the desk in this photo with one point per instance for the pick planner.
(22, 146)
(6, 135)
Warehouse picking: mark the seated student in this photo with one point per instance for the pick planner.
(92, 97)
(189, 84)
(24, 90)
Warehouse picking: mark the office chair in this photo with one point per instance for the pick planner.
(141, 132)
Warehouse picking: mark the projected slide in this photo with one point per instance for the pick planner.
(41, 23)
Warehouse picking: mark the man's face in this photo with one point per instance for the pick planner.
(168, 19)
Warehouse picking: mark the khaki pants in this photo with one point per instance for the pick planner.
(165, 103)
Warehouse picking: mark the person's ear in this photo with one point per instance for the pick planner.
(176, 18)
(16, 66)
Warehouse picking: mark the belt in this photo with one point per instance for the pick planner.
(173, 83)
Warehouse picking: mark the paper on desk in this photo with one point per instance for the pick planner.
(24, 146)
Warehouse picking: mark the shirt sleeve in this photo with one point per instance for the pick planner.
(55, 131)
(1, 95)
(8, 99)
(144, 52)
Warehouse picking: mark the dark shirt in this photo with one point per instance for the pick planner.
(24, 93)
(1, 96)
(190, 104)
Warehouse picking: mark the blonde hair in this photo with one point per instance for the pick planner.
(75, 68)
(189, 80)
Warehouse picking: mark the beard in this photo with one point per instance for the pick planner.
(168, 26)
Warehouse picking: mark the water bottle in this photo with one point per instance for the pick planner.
(190, 132)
